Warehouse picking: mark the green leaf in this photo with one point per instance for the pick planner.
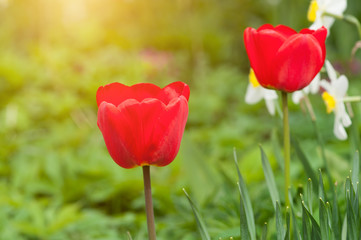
(277, 149)
(309, 194)
(324, 226)
(243, 219)
(355, 170)
(129, 236)
(246, 200)
(321, 188)
(264, 232)
(270, 180)
(352, 229)
(305, 162)
(201, 226)
(279, 223)
(288, 224)
(315, 230)
(344, 229)
(296, 234)
(335, 218)
(306, 226)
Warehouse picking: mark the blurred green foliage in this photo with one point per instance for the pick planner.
(57, 180)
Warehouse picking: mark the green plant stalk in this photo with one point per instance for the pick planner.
(347, 18)
(320, 140)
(149, 203)
(286, 146)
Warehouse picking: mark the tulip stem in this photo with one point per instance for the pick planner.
(149, 203)
(286, 146)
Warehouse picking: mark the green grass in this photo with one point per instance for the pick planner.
(57, 180)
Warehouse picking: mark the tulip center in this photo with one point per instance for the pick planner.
(329, 101)
(312, 10)
(253, 79)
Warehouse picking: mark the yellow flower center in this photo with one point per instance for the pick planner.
(311, 15)
(253, 79)
(329, 101)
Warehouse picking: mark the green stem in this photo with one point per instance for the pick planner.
(351, 99)
(319, 139)
(348, 18)
(149, 203)
(287, 145)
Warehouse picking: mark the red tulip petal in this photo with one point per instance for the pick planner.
(261, 48)
(143, 133)
(265, 26)
(285, 31)
(174, 90)
(321, 35)
(297, 62)
(168, 132)
(116, 93)
(113, 126)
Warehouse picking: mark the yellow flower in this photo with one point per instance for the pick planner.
(253, 79)
(312, 10)
(329, 101)
(255, 93)
(334, 97)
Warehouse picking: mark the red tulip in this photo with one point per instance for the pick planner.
(142, 124)
(283, 59)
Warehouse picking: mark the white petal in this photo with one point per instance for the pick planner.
(339, 130)
(316, 24)
(270, 103)
(253, 95)
(336, 7)
(331, 71)
(341, 114)
(346, 120)
(315, 84)
(297, 96)
(341, 117)
(269, 94)
(340, 86)
(327, 22)
(326, 85)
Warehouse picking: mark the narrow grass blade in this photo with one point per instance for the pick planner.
(279, 223)
(129, 236)
(321, 188)
(354, 131)
(355, 170)
(335, 218)
(201, 226)
(277, 149)
(309, 195)
(246, 201)
(315, 230)
(288, 224)
(306, 226)
(264, 232)
(296, 234)
(270, 179)
(305, 162)
(352, 230)
(324, 226)
(243, 219)
(344, 229)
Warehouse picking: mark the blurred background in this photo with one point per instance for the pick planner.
(57, 180)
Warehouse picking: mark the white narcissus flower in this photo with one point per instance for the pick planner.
(318, 9)
(335, 92)
(313, 88)
(255, 93)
